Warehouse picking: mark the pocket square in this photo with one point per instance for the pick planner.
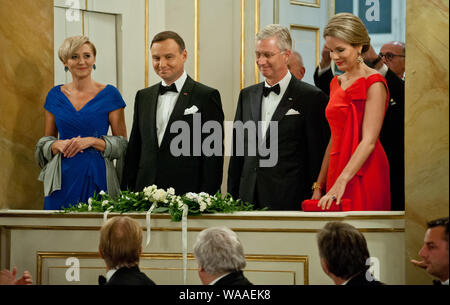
(191, 110)
(292, 112)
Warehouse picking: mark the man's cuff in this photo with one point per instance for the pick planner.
(321, 71)
(383, 70)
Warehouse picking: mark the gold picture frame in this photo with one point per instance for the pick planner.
(314, 29)
(303, 3)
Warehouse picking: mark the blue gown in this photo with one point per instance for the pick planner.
(85, 173)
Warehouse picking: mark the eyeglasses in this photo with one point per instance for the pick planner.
(266, 55)
(390, 56)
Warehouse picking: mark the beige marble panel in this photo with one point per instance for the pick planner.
(282, 243)
(26, 75)
(426, 124)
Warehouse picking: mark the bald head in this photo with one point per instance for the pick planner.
(394, 56)
(295, 65)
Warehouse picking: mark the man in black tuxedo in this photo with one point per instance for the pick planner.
(434, 253)
(344, 255)
(392, 133)
(291, 115)
(120, 247)
(168, 114)
(220, 257)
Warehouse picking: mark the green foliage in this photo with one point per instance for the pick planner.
(166, 202)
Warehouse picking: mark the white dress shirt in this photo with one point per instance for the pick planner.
(110, 273)
(164, 108)
(270, 102)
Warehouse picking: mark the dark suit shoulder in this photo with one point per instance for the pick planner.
(308, 87)
(252, 87)
(236, 278)
(150, 89)
(202, 87)
(362, 280)
(146, 93)
(309, 94)
(130, 276)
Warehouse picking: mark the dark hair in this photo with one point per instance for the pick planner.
(440, 222)
(344, 249)
(169, 35)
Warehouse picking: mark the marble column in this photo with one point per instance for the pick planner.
(426, 124)
(26, 75)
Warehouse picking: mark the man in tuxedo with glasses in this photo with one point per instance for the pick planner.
(299, 141)
(393, 55)
(151, 157)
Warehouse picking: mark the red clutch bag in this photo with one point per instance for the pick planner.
(310, 205)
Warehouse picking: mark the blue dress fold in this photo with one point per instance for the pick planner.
(85, 173)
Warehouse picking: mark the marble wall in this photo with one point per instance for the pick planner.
(427, 128)
(26, 75)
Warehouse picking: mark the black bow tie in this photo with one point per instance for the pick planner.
(275, 89)
(164, 89)
(101, 280)
(437, 283)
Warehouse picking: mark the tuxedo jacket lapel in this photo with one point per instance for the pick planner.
(149, 115)
(178, 110)
(285, 104)
(255, 102)
(255, 105)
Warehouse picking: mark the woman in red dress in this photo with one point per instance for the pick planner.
(354, 166)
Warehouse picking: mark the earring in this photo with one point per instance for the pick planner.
(360, 59)
(94, 67)
(66, 68)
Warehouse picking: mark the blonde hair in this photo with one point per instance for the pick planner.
(120, 242)
(349, 28)
(71, 44)
(284, 41)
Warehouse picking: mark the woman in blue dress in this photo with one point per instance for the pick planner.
(81, 113)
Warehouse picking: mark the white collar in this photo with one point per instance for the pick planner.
(178, 83)
(445, 283)
(110, 273)
(217, 279)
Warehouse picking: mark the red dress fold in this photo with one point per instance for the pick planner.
(369, 189)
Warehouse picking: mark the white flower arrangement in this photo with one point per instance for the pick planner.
(166, 202)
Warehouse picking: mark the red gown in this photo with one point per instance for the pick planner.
(369, 189)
